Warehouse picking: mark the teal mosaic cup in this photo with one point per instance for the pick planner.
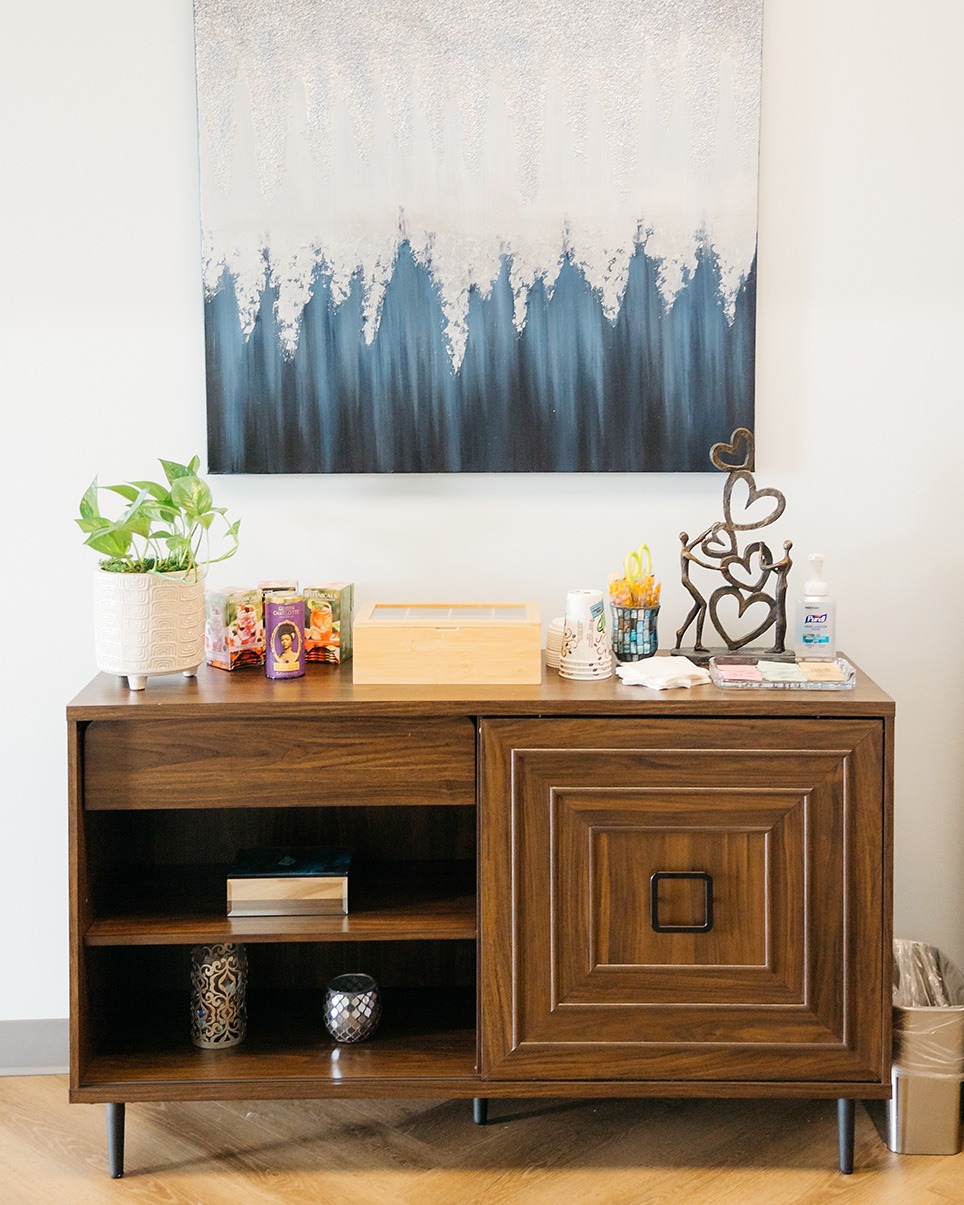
(634, 632)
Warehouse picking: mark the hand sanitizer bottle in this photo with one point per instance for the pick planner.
(816, 637)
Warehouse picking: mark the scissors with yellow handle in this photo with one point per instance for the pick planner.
(634, 565)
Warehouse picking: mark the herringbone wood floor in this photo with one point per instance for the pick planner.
(609, 1152)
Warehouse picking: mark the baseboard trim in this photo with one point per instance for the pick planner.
(34, 1047)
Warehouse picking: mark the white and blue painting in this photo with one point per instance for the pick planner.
(446, 236)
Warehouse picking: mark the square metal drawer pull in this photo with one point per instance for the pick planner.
(707, 880)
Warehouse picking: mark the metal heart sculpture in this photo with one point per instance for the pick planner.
(733, 565)
(745, 573)
(753, 496)
(744, 603)
(714, 546)
(737, 454)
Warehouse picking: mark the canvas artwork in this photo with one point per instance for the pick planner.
(475, 235)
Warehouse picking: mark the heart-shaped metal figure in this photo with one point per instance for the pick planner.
(744, 603)
(715, 546)
(737, 569)
(737, 454)
(754, 495)
(717, 549)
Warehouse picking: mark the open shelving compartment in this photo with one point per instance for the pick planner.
(141, 1035)
(412, 925)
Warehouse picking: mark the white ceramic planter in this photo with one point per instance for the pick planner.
(148, 623)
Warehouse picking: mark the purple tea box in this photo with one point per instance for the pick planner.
(234, 627)
(284, 618)
(328, 615)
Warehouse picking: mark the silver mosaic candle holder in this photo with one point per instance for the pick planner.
(353, 1007)
(219, 981)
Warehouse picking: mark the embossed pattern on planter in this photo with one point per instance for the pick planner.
(148, 623)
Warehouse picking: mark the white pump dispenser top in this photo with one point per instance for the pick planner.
(816, 584)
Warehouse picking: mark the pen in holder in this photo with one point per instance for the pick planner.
(634, 599)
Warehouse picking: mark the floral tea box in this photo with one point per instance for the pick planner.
(328, 621)
(448, 643)
(234, 627)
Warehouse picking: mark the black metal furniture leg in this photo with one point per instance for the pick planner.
(845, 1135)
(480, 1110)
(115, 1140)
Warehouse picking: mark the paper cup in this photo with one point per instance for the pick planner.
(585, 645)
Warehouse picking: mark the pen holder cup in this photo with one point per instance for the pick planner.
(634, 632)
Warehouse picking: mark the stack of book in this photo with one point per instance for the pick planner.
(289, 882)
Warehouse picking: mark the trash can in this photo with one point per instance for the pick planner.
(924, 1113)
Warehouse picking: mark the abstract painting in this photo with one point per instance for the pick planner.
(475, 235)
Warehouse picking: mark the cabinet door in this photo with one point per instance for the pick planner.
(683, 900)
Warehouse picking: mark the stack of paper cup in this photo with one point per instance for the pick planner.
(585, 643)
(554, 642)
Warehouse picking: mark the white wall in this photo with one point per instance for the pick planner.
(859, 408)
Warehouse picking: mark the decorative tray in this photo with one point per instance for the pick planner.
(736, 671)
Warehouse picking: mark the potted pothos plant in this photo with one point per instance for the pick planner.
(149, 586)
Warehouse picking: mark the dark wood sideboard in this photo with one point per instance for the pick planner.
(572, 889)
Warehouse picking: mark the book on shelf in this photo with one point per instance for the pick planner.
(289, 882)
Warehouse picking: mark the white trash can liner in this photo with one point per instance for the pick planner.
(923, 1116)
(928, 1012)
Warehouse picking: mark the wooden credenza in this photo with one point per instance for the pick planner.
(573, 889)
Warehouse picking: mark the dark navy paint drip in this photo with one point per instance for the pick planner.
(573, 392)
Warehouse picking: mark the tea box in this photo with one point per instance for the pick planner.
(328, 621)
(234, 627)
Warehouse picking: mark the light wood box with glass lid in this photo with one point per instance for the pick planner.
(505, 843)
(448, 643)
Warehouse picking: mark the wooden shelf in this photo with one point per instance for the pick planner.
(424, 1034)
(185, 905)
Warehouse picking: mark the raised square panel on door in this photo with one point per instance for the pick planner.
(605, 846)
(785, 819)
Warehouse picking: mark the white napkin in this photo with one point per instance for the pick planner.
(661, 673)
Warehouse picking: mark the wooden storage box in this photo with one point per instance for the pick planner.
(448, 644)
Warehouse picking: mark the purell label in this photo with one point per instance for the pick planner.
(815, 618)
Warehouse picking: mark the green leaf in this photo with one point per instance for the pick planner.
(160, 492)
(136, 511)
(192, 495)
(203, 498)
(175, 470)
(163, 511)
(88, 504)
(125, 491)
(139, 524)
(110, 543)
(94, 523)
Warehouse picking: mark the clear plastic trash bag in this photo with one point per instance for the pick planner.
(928, 1012)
